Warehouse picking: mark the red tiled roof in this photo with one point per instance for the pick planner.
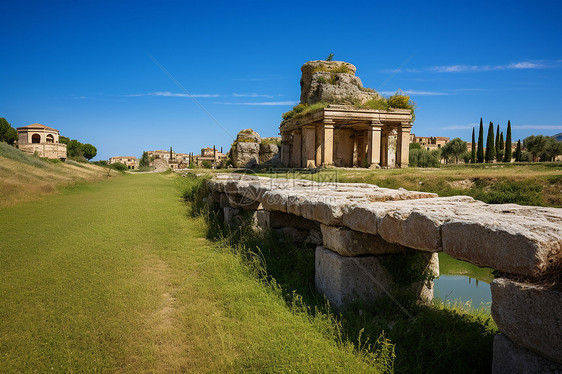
(37, 126)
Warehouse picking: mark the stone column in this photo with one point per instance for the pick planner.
(374, 144)
(318, 145)
(403, 144)
(328, 142)
(308, 146)
(384, 147)
(286, 149)
(296, 154)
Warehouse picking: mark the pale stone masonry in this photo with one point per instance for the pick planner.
(41, 139)
(356, 226)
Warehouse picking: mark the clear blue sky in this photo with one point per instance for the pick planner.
(93, 70)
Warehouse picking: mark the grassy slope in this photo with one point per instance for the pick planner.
(114, 277)
(525, 184)
(24, 177)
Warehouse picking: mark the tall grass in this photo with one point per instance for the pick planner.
(438, 338)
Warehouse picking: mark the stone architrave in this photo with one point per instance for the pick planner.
(347, 242)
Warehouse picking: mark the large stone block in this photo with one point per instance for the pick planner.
(530, 315)
(348, 242)
(346, 279)
(509, 243)
(280, 219)
(509, 358)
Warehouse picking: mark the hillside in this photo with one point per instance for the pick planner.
(24, 177)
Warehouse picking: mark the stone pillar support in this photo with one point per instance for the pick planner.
(384, 148)
(374, 143)
(296, 152)
(308, 147)
(403, 144)
(327, 142)
(318, 145)
(286, 149)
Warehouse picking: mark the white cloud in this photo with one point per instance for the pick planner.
(172, 94)
(474, 68)
(263, 103)
(251, 95)
(539, 127)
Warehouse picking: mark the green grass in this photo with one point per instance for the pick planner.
(115, 276)
(439, 339)
(15, 154)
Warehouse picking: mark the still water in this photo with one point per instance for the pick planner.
(462, 282)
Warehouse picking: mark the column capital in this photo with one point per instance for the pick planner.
(376, 122)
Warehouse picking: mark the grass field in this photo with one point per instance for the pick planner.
(115, 277)
(525, 184)
(25, 177)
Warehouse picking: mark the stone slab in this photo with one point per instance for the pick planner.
(348, 242)
(509, 358)
(529, 315)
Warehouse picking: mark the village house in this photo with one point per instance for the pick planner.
(430, 143)
(130, 161)
(41, 140)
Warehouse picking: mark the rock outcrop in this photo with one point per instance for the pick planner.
(250, 149)
(333, 82)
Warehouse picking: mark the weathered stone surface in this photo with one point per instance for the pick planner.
(530, 315)
(235, 200)
(305, 236)
(260, 220)
(245, 155)
(509, 358)
(345, 279)
(510, 243)
(347, 242)
(510, 238)
(332, 82)
(230, 216)
(249, 136)
(269, 151)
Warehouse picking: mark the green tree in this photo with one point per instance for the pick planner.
(507, 154)
(535, 144)
(490, 152)
(473, 150)
(497, 142)
(7, 133)
(144, 162)
(415, 146)
(89, 151)
(480, 153)
(518, 151)
(330, 57)
(454, 149)
(500, 149)
(552, 149)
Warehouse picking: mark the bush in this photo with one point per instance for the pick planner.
(119, 167)
(423, 158)
(206, 164)
(302, 109)
(415, 146)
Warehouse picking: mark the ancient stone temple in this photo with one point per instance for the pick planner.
(336, 127)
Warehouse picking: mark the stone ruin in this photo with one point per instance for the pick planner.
(333, 82)
(250, 150)
(356, 226)
(343, 130)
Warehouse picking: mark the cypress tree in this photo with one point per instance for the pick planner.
(473, 150)
(518, 151)
(507, 155)
(490, 152)
(500, 149)
(497, 143)
(480, 153)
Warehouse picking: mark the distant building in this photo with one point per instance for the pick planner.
(130, 161)
(209, 154)
(42, 140)
(429, 143)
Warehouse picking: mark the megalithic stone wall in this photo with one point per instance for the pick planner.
(357, 225)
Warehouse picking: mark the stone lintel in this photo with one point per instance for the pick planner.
(510, 358)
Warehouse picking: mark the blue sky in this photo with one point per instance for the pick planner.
(119, 74)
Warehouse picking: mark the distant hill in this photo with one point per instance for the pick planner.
(25, 177)
(558, 137)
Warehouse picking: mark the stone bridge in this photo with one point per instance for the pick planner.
(356, 227)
